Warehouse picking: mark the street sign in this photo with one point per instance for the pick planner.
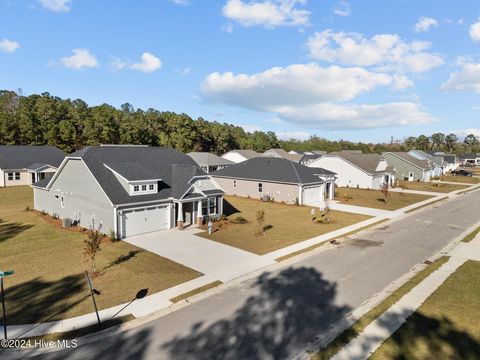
(6, 273)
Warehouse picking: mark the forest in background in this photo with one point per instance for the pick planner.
(73, 124)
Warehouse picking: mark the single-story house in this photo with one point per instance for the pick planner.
(353, 169)
(238, 156)
(470, 159)
(209, 162)
(450, 161)
(278, 179)
(435, 161)
(129, 190)
(408, 167)
(26, 164)
(307, 159)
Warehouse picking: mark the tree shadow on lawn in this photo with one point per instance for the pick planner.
(39, 300)
(439, 337)
(8, 230)
(286, 314)
(120, 260)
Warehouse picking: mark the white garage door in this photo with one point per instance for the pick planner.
(312, 195)
(146, 220)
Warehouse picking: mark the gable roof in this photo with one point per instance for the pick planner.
(436, 159)
(271, 169)
(171, 166)
(22, 156)
(421, 164)
(208, 159)
(366, 162)
(247, 154)
(283, 154)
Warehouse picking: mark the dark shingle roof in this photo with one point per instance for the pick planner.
(132, 171)
(22, 156)
(271, 169)
(174, 168)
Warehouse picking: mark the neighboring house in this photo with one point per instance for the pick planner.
(450, 161)
(280, 179)
(129, 190)
(280, 153)
(209, 162)
(353, 169)
(469, 159)
(237, 156)
(26, 165)
(307, 159)
(435, 161)
(409, 167)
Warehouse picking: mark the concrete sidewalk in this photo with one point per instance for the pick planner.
(372, 337)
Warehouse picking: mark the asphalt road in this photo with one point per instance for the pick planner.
(277, 314)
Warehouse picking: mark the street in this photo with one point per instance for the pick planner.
(275, 315)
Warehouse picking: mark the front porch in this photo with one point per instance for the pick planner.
(192, 212)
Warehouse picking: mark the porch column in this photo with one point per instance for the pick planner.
(199, 213)
(332, 191)
(180, 216)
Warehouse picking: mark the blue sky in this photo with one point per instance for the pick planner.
(356, 70)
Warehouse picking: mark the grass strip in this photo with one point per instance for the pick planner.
(348, 335)
(472, 235)
(196, 291)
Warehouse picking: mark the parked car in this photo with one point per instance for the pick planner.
(461, 172)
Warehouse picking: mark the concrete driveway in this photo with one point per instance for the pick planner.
(206, 256)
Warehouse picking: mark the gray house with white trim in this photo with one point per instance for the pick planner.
(408, 167)
(209, 162)
(28, 164)
(129, 190)
(280, 179)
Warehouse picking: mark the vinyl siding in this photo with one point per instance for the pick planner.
(84, 199)
(403, 168)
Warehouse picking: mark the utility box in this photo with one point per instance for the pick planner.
(66, 222)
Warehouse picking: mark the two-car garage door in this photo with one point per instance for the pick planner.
(140, 221)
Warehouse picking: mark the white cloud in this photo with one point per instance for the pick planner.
(465, 132)
(466, 79)
(228, 28)
(386, 52)
(81, 58)
(149, 63)
(180, 2)
(56, 5)
(287, 135)
(475, 31)
(184, 72)
(268, 13)
(8, 46)
(343, 8)
(425, 23)
(308, 94)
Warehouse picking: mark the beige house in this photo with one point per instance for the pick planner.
(26, 165)
(277, 179)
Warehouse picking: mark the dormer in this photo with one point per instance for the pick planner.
(135, 178)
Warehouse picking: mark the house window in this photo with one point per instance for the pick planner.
(10, 176)
(205, 207)
(234, 183)
(213, 205)
(17, 176)
(260, 187)
(144, 187)
(151, 187)
(136, 188)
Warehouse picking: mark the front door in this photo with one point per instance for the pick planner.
(411, 176)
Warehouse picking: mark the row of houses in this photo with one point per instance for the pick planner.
(132, 190)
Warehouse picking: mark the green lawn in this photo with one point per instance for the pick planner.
(430, 186)
(375, 199)
(290, 224)
(49, 283)
(461, 179)
(348, 335)
(472, 235)
(446, 326)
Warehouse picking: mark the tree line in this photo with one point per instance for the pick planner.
(73, 124)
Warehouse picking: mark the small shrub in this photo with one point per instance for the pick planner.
(27, 208)
(55, 216)
(240, 220)
(43, 212)
(113, 236)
